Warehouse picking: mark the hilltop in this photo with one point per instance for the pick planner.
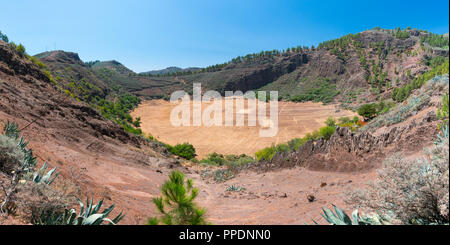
(170, 70)
(352, 70)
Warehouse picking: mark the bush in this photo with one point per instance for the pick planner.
(10, 155)
(137, 122)
(177, 205)
(411, 192)
(216, 159)
(330, 122)
(21, 49)
(269, 152)
(186, 150)
(37, 62)
(368, 111)
(442, 112)
(327, 132)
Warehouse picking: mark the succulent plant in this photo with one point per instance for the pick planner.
(235, 188)
(88, 216)
(339, 217)
(42, 176)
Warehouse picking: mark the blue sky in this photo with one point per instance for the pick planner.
(148, 34)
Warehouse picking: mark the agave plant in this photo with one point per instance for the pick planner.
(444, 136)
(234, 188)
(42, 176)
(339, 217)
(11, 130)
(88, 216)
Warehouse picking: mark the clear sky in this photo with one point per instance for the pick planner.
(148, 34)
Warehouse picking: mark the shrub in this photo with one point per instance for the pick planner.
(10, 155)
(137, 122)
(344, 120)
(176, 204)
(35, 200)
(37, 62)
(295, 144)
(368, 111)
(186, 150)
(216, 159)
(269, 152)
(21, 49)
(330, 122)
(411, 192)
(442, 112)
(327, 132)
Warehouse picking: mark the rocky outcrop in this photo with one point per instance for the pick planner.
(263, 74)
(61, 57)
(347, 151)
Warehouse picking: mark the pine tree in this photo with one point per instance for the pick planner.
(177, 204)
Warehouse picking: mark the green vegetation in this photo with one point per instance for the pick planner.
(216, 159)
(325, 133)
(218, 175)
(402, 34)
(87, 216)
(370, 111)
(341, 46)
(435, 40)
(186, 150)
(269, 152)
(119, 111)
(442, 113)
(3, 37)
(322, 91)
(339, 217)
(401, 93)
(234, 188)
(176, 205)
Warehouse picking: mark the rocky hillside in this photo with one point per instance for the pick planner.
(351, 70)
(408, 128)
(170, 70)
(70, 134)
(358, 68)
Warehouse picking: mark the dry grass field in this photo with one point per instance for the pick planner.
(295, 120)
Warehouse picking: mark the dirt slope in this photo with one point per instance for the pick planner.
(91, 152)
